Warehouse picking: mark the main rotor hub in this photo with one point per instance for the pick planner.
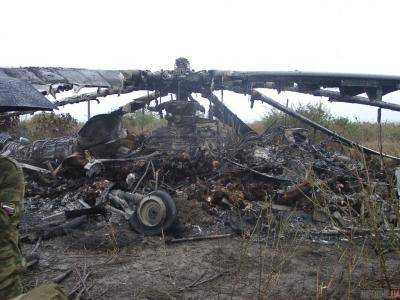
(182, 66)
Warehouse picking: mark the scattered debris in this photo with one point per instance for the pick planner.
(60, 278)
(197, 177)
(202, 189)
(198, 238)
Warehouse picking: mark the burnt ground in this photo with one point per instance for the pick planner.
(123, 265)
(283, 242)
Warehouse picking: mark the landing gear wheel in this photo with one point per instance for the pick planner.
(155, 213)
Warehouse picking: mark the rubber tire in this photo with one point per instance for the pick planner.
(171, 213)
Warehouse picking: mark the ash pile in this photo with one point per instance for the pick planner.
(198, 178)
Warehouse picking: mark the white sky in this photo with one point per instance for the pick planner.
(334, 36)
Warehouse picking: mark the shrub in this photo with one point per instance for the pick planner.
(48, 125)
(316, 112)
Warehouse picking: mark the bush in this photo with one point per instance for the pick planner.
(316, 112)
(48, 125)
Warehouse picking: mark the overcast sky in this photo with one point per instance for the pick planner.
(333, 36)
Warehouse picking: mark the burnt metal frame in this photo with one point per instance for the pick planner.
(182, 81)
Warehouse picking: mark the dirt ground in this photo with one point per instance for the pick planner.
(122, 265)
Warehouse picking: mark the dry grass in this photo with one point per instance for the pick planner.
(48, 125)
(368, 262)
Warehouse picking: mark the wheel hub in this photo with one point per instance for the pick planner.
(152, 211)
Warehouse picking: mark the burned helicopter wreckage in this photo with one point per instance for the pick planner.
(190, 150)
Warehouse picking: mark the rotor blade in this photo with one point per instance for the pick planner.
(38, 76)
(16, 94)
(226, 116)
(336, 96)
(132, 106)
(354, 84)
(258, 96)
(91, 96)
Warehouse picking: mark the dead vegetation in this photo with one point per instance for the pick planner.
(38, 126)
(300, 209)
